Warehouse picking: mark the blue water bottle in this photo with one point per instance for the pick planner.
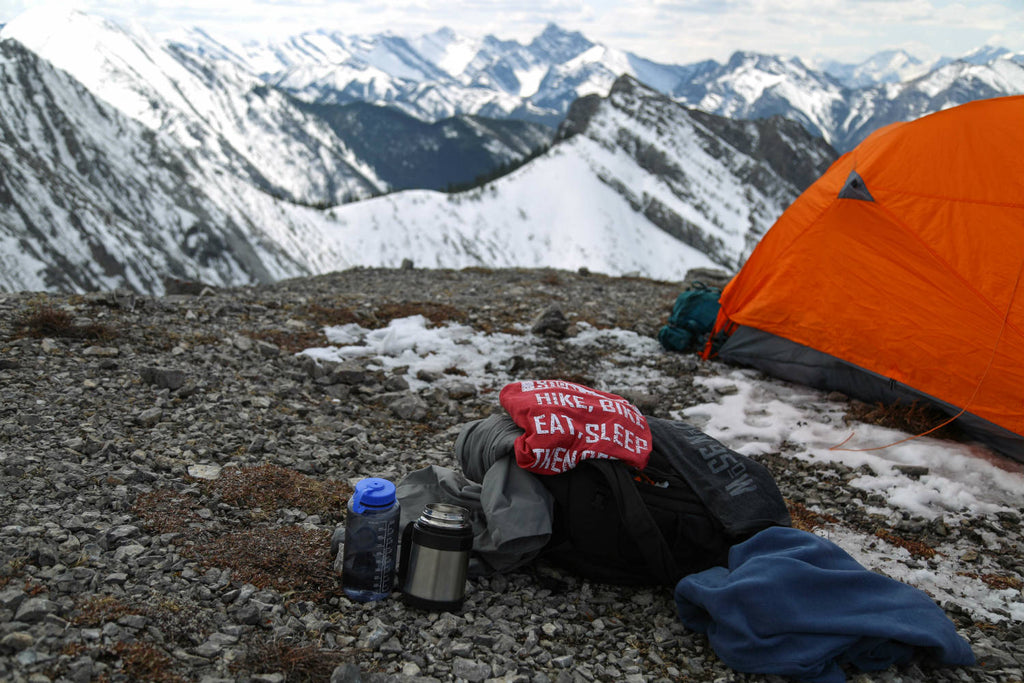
(371, 541)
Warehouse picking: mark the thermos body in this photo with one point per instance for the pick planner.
(435, 558)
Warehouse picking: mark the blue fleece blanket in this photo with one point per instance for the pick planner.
(794, 604)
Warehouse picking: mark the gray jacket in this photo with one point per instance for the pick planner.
(510, 509)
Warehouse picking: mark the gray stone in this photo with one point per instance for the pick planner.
(128, 552)
(346, 673)
(550, 322)
(409, 407)
(471, 670)
(149, 417)
(35, 610)
(164, 378)
(428, 375)
(268, 350)
(10, 598)
(16, 642)
(101, 351)
(461, 389)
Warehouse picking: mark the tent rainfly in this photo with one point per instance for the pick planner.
(897, 275)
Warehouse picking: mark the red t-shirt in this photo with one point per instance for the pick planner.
(567, 422)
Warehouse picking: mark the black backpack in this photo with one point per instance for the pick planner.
(694, 500)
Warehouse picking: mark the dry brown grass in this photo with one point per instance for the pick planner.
(291, 341)
(142, 661)
(270, 487)
(805, 519)
(47, 321)
(95, 611)
(167, 512)
(12, 569)
(912, 418)
(298, 663)
(287, 558)
(915, 548)
(327, 316)
(138, 660)
(551, 279)
(996, 581)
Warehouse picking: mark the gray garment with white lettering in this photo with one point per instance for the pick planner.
(510, 509)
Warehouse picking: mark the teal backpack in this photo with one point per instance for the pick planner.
(692, 319)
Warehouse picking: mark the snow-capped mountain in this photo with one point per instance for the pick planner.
(753, 86)
(888, 66)
(441, 74)
(126, 160)
(92, 199)
(635, 183)
(955, 83)
(211, 109)
(988, 54)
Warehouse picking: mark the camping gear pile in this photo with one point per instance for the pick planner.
(544, 478)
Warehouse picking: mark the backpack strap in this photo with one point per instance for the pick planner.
(649, 540)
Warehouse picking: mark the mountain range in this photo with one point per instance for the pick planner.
(442, 74)
(128, 161)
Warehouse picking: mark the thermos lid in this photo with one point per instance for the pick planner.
(445, 515)
(373, 492)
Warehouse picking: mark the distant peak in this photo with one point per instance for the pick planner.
(986, 54)
(559, 44)
(624, 84)
(553, 29)
(743, 57)
(445, 33)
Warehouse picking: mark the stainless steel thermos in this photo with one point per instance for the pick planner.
(371, 541)
(435, 558)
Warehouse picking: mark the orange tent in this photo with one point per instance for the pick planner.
(897, 275)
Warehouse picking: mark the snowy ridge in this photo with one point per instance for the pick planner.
(150, 160)
(847, 102)
(889, 66)
(117, 203)
(440, 74)
(215, 109)
(528, 219)
(90, 199)
(639, 187)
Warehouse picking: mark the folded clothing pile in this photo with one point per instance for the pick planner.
(792, 603)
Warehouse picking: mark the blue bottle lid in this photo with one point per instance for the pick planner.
(373, 493)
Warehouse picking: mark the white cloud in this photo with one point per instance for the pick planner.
(680, 31)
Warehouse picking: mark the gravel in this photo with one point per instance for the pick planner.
(133, 548)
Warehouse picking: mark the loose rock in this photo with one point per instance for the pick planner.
(130, 534)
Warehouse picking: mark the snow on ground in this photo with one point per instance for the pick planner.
(413, 343)
(754, 414)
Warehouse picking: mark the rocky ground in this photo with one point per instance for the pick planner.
(171, 472)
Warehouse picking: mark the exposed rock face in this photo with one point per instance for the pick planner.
(716, 178)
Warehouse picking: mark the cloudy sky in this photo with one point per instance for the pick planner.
(675, 31)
